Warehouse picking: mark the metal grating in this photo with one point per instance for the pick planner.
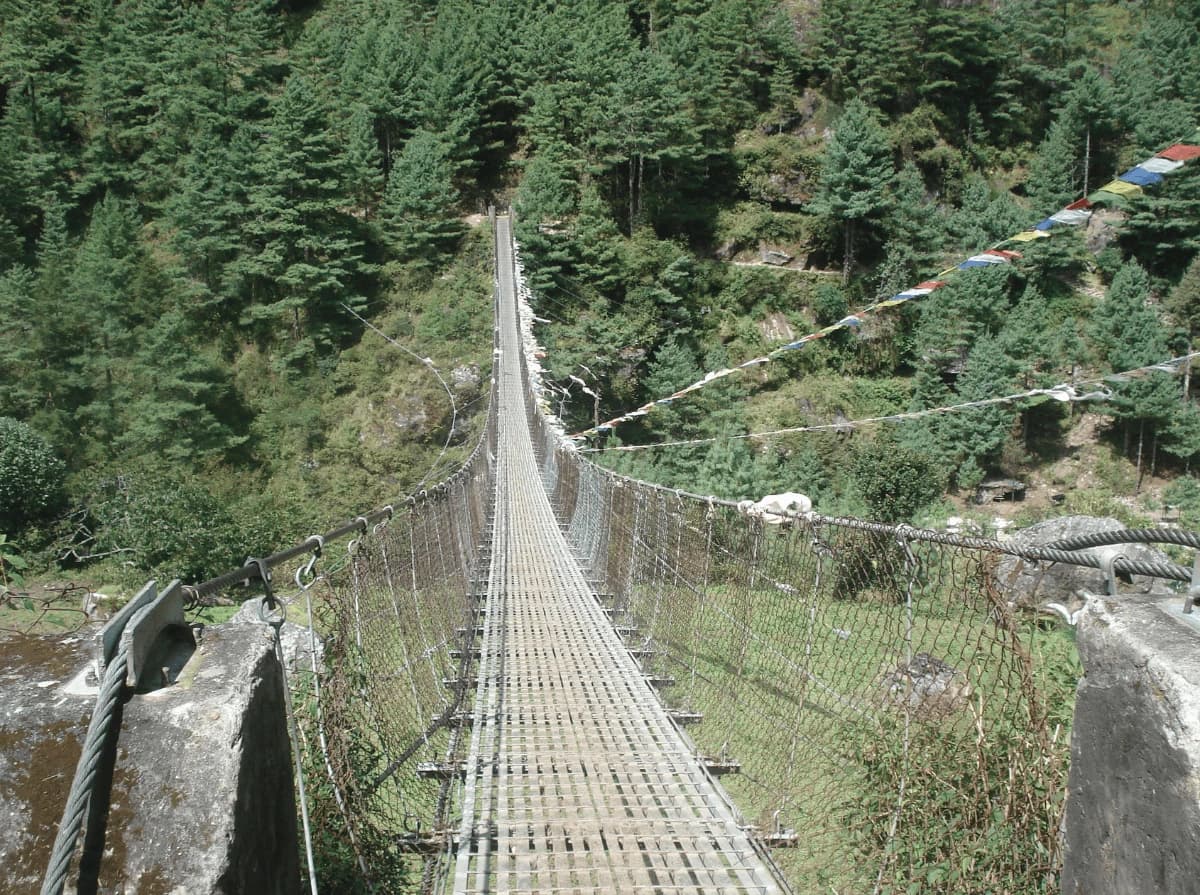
(577, 780)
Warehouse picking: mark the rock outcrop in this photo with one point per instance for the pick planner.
(1031, 584)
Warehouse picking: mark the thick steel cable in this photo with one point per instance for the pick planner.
(294, 736)
(1051, 553)
(1176, 536)
(107, 701)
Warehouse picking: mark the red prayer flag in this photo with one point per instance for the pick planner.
(1180, 152)
(1079, 205)
(930, 284)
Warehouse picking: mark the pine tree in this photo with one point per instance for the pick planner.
(177, 392)
(980, 433)
(984, 217)
(18, 344)
(364, 165)
(420, 205)
(1088, 117)
(955, 316)
(39, 68)
(596, 246)
(304, 259)
(1163, 229)
(1183, 304)
(1128, 334)
(1054, 172)
(854, 176)
(912, 221)
(643, 122)
(207, 212)
(127, 92)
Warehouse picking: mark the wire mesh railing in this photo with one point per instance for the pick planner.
(398, 628)
(889, 711)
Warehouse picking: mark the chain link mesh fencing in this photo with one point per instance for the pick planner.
(397, 624)
(880, 711)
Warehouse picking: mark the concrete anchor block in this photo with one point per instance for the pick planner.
(1133, 805)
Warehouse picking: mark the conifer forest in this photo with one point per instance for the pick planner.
(237, 236)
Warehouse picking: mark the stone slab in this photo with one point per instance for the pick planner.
(1132, 824)
(202, 797)
(201, 780)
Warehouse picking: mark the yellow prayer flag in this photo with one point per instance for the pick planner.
(1121, 188)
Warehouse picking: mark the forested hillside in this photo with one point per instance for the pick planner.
(201, 202)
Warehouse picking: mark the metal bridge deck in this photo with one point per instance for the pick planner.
(577, 780)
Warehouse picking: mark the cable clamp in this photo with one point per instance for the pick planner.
(1108, 563)
(1193, 594)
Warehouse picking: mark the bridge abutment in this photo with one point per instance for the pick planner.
(1133, 809)
(201, 797)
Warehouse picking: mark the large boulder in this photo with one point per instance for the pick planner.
(1030, 583)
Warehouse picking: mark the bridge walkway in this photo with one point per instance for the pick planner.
(577, 779)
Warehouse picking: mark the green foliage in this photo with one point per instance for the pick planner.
(304, 259)
(173, 526)
(419, 204)
(896, 481)
(1183, 302)
(855, 175)
(31, 476)
(11, 566)
(1184, 493)
(1054, 172)
(1128, 334)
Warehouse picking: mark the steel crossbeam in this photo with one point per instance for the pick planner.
(577, 780)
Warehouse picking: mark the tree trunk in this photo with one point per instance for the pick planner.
(848, 255)
(1087, 159)
(641, 182)
(1187, 375)
(1153, 451)
(631, 170)
(1141, 438)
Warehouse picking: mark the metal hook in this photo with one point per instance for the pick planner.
(269, 604)
(193, 595)
(264, 575)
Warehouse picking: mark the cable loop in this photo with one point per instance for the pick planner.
(305, 572)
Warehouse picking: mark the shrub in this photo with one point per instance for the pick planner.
(31, 476)
(170, 527)
(896, 482)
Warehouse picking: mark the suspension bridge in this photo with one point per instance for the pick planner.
(540, 676)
